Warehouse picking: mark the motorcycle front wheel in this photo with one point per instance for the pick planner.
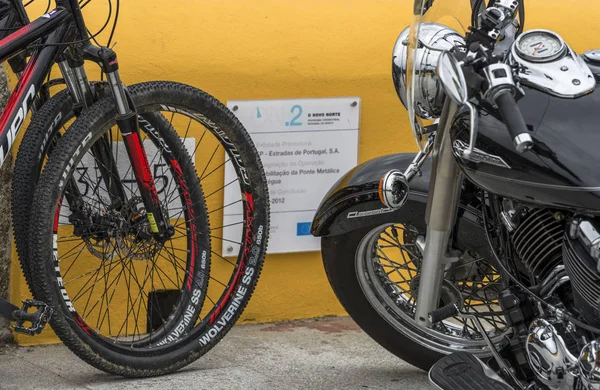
(375, 274)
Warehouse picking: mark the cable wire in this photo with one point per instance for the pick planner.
(114, 27)
(91, 37)
(475, 13)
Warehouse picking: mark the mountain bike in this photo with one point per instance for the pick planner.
(128, 215)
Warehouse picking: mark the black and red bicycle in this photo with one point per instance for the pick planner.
(123, 236)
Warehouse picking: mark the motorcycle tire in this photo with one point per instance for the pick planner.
(370, 310)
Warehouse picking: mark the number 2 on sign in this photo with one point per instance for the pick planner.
(293, 122)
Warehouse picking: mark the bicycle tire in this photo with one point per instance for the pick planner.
(33, 149)
(174, 352)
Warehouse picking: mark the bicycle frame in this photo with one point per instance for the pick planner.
(52, 26)
(56, 30)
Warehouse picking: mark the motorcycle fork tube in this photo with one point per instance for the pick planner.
(127, 121)
(442, 205)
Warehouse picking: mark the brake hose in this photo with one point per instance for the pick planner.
(521, 18)
(475, 13)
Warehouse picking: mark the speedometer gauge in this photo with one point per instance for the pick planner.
(540, 46)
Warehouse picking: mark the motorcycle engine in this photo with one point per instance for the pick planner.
(580, 255)
(538, 242)
(560, 255)
(563, 256)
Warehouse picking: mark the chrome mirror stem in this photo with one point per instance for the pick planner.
(473, 130)
(417, 162)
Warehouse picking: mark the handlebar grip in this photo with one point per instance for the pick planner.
(511, 114)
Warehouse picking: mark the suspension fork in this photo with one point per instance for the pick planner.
(83, 97)
(442, 205)
(72, 192)
(127, 121)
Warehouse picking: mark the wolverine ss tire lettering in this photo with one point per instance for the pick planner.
(231, 309)
(187, 318)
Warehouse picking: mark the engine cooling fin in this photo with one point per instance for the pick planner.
(585, 279)
(538, 242)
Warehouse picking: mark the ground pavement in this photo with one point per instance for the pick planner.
(331, 353)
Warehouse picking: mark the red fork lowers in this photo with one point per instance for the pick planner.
(145, 181)
(127, 120)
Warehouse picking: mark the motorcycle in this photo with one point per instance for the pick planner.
(478, 258)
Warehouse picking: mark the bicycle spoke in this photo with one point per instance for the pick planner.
(212, 171)
(221, 188)
(111, 263)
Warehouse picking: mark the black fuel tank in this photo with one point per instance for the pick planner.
(563, 169)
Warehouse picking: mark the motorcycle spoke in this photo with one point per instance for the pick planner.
(397, 263)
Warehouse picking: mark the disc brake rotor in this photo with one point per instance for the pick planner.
(125, 232)
(137, 241)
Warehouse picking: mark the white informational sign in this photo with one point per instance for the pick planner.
(305, 145)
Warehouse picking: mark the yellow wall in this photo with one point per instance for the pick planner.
(261, 49)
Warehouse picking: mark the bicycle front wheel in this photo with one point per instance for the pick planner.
(125, 302)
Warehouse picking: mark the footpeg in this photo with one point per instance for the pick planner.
(462, 370)
(393, 189)
(38, 318)
(443, 313)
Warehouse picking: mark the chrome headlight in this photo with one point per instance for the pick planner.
(429, 94)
